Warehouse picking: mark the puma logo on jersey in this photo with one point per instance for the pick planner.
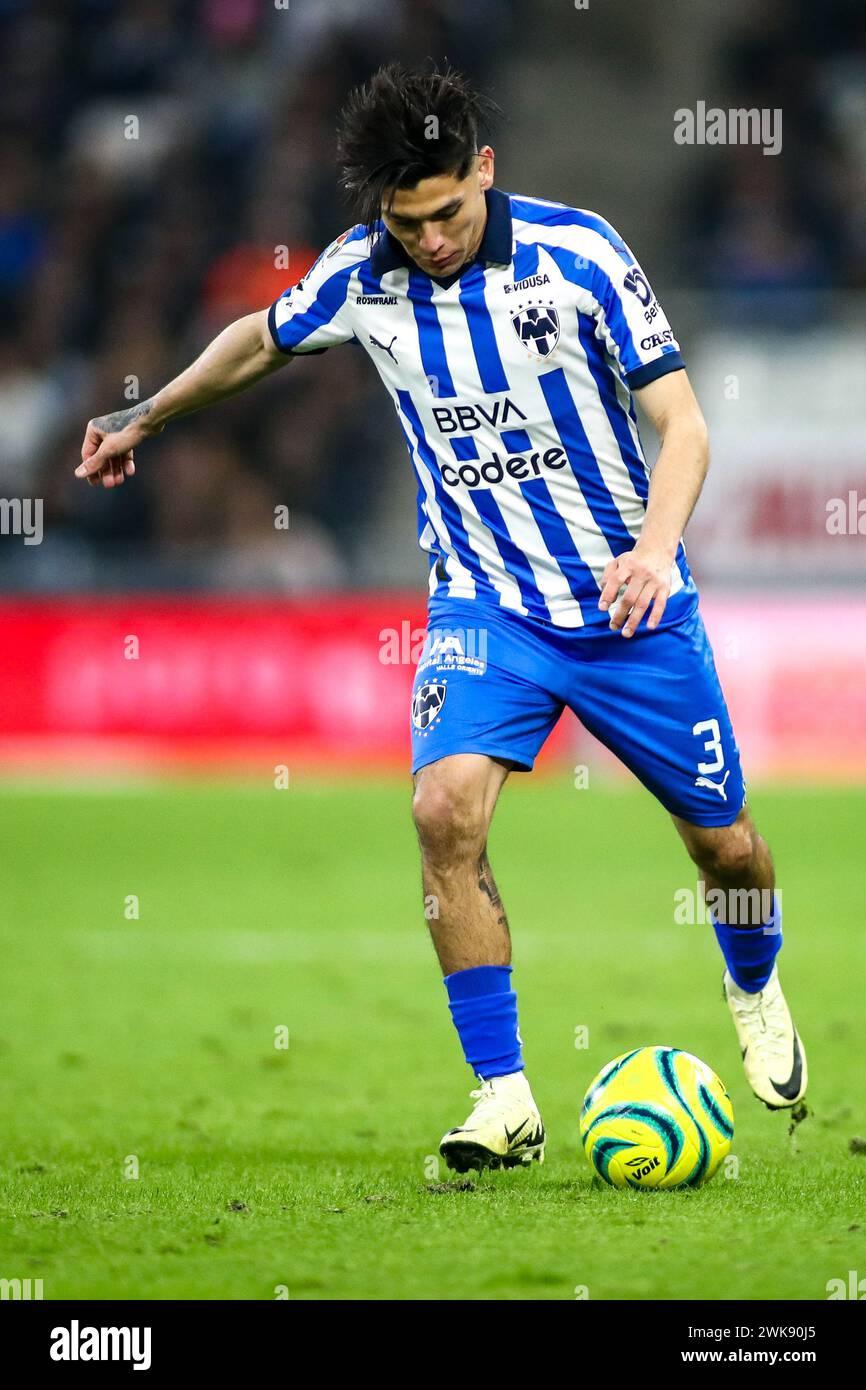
(376, 343)
(717, 786)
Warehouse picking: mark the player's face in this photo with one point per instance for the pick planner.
(441, 221)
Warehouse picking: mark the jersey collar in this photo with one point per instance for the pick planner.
(495, 246)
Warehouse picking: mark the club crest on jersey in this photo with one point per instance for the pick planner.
(537, 327)
(427, 704)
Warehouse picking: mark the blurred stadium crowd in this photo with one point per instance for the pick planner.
(757, 225)
(121, 257)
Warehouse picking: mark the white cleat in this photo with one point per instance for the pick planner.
(773, 1057)
(503, 1131)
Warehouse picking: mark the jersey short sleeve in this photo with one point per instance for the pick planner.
(630, 317)
(312, 315)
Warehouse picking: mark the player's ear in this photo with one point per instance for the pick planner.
(485, 167)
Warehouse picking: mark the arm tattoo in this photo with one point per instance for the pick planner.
(119, 419)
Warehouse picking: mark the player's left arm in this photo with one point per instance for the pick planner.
(675, 485)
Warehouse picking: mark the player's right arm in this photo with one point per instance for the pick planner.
(311, 316)
(242, 354)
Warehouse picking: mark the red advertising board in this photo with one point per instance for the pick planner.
(169, 682)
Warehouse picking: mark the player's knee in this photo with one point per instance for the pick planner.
(727, 852)
(449, 816)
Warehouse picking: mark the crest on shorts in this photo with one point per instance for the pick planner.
(537, 327)
(427, 703)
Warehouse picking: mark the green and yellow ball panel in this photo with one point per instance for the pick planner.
(656, 1117)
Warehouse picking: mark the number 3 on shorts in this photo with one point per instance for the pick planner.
(712, 745)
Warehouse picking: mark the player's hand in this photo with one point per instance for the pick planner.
(109, 440)
(633, 581)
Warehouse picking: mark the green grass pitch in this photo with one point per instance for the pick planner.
(148, 1045)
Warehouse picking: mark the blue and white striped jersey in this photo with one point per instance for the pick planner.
(512, 383)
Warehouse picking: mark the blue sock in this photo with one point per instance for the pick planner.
(484, 1008)
(749, 952)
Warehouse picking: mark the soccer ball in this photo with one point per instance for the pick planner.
(656, 1117)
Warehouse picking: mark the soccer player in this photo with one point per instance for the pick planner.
(513, 336)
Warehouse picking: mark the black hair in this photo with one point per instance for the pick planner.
(403, 126)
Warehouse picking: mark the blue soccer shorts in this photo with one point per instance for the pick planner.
(492, 681)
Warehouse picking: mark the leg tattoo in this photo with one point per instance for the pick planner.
(487, 884)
